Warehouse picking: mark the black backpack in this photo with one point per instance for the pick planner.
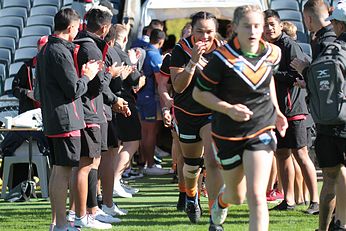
(326, 85)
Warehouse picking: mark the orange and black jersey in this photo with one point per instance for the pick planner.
(238, 79)
(181, 55)
(164, 69)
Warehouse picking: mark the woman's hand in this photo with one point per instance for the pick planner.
(239, 112)
(281, 124)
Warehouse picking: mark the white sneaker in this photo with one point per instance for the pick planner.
(129, 189)
(114, 210)
(105, 218)
(155, 171)
(89, 221)
(218, 215)
(119, 191)
(160, 152)
(71, 216)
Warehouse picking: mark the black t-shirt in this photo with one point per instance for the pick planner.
(181, 55)
(237, 79)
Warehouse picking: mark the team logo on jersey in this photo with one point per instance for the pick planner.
(253, 75)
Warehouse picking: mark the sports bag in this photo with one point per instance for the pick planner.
(326, 85)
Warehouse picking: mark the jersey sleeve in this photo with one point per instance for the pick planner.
(165, 66)
(211, 75)
(178, 58)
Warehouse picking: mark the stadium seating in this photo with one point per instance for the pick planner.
(23, 54)
(9, 31)
(17, 3)
(55, 3)
(14, 68)
(43, 10)
(8, 43)
(30, 41)
(45, 20)
(306, 48)
(14, 21)
(5, 56)
(14, 11)
(285, 5)
(36, 31)
(290, 15)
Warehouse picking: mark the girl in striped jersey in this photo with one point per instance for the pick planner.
(237, 84)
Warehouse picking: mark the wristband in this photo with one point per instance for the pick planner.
(164, 109)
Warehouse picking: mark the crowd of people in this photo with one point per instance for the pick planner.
(235, 105)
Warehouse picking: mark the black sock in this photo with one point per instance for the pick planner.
(92, 189)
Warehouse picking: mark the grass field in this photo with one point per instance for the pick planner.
(153, 208)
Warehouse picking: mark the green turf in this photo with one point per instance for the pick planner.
(153, 208)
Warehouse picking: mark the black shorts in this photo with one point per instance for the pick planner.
(330, 150)
(112, 139)
(66, 151)
(296, 135)
(91, 142)
(129, 128)
(104, 136)
(230, 153)
(188, 126)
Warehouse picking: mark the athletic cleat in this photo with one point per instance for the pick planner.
(218, 215)
(181, 201)
(114, 210)
(313, 208)
(213, 227)
(88, 221)
(71, 216)
(160, 152)
(105, 218)
(193, 210)
(283, 206)
(155, 170)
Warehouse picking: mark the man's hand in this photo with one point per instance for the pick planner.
(91, 68)
(121, 106)
(141, 83)
(114, 70)
(126, 72)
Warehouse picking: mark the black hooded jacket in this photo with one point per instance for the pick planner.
(291, 99)
(60, 87)
(93, 47)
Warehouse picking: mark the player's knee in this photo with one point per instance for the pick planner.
(192, 167)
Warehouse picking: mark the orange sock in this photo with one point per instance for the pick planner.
(210, 203)
(191, 192)
(221, 203)
(182, 187)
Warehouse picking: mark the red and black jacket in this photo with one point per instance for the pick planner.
(60, 87)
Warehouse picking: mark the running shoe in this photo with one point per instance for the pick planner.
(71, 216)
(181, 201)
(114, 210)
(88, 221)
(218, 214)
(129, 189)
(283, 206)
(155, 171)
(105, 218)
(160, 152)
(313, 208)
(213, 227)
(119, 191)
(192, 209)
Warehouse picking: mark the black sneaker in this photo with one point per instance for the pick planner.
(181, 201)
(283, 206)
(193, 211)
(313, 208)
(157, 159)
(337, 226)
(213, 227)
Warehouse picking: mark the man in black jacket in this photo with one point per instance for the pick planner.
(291, 100)
(93, 47)
(330, 146)
(315, 14)
(61, 90)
